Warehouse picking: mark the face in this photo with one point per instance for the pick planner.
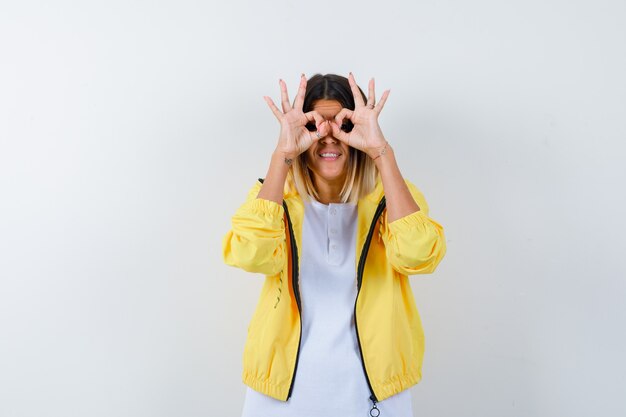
(331, 169)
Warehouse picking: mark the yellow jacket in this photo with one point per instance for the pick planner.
(266, 238)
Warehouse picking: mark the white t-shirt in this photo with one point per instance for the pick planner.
(329, 378)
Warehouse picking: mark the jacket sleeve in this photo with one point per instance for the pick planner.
(256, 241)
(415, 243)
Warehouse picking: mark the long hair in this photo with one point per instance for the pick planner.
(362, 172)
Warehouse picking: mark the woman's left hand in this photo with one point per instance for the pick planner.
(366, 135)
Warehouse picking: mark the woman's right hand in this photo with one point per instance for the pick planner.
(294, 137)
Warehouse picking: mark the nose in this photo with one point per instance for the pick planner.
(329, 137)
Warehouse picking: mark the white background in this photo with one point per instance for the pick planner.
(131, 131)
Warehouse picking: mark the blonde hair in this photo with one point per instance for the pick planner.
(360, 179)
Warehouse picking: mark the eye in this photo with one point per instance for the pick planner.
(347, 126)
(310, 127)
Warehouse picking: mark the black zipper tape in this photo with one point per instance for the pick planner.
(296, 287)
(360, 269)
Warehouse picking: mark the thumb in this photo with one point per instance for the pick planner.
(339, 134)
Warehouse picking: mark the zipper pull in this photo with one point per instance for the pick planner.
(374, 411)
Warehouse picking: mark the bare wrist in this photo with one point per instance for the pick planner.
(377, 153)
(284, 157)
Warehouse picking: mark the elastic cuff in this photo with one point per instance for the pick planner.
(416, 218)
(270, 207)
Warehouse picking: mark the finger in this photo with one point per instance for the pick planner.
(326, 128)
(314, 116)
(371, 97)
(340, 134)
(358, 98)
(299, 101)
(342, 115)
(315, 136)
(273, 107)
(321, 125)
(322, 131)
(383, 99)
(284, 96)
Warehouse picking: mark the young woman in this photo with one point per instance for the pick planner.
(336, 230)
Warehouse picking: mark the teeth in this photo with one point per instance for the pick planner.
(331, 155)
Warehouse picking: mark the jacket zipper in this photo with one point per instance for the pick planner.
(359, 277)
(381, 206)
(360, 269)
(296, 290)
(296, 287)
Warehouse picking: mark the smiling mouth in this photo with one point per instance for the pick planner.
(329, 156)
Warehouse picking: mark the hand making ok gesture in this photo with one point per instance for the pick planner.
(294, 137)
(366, 134)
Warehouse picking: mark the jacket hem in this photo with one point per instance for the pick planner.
(264, 386)
(396, 384)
